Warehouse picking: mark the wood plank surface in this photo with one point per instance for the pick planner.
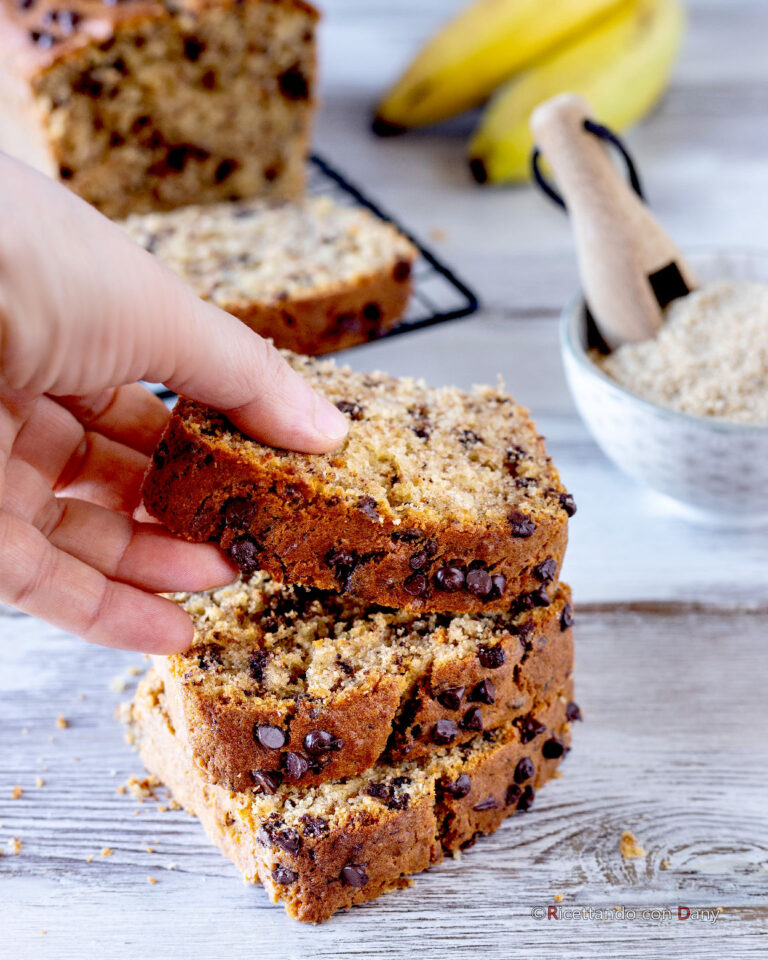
(672, 627)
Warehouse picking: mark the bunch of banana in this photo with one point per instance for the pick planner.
(616, 53)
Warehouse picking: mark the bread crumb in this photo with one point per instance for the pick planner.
(24, 731)
(107, 852)
(558, 898)
(171, 866)
(135, 671)
(15, 846)
(437, 234)
(39, 782)
(161, 808)
(122, 789)
(151, 880)
(557, 774)
(141, 788)
(629, 846)
(118, 684)
(81, 696)
(150, 849)
(43, 933)
(16, 792)
(664, 864)
(89, 858)
(61, 722)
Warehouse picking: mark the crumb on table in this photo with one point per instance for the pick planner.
(629, 846)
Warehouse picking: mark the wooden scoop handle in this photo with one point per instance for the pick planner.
(620, 245)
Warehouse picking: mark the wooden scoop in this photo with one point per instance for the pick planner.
(630, 268)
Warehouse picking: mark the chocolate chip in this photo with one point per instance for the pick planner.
(139, 123)
(268, 736)
(526, 799)
(245, 552)
(407, 536)
(208, 80)
(522, 525)
(372, 312)
(318, 742)
(295, 765)
(444, 732)
(419, 560)
(400, 781)
(572, 712)
(513, 794)
(256, 664)
(566, 617)
(530, 728)
(449, 579)
(66, 173)
(120, 65)
(377, 790)
(460, 787)
(479, 582)
(488, 804)
(268, 781)
(343, 563)
(397, 802)
(498, 586)
(354, 875)
(451, 697)
(238, 513)
(116, 139)
(546, 570)
(313, 827)
(353, 410)
(287, 839)
(293, 84)
(402, 271)
(540, 597)
(193, 48)
(210, 656)
(491, 657)
(472, 719)
(224, 170)
(484, 692)
(552, 748)
(512, 457)
(524, 770)
(369, 507)
(469, 438)
(416, 585)
(567, 503)
(284, 876)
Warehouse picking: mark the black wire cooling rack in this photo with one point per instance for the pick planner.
(438, 294)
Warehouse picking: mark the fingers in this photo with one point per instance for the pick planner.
(88, 316)
(45, 582)
(143, 555)
(130, 415)
(85, 464)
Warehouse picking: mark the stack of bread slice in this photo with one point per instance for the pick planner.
(391, 676)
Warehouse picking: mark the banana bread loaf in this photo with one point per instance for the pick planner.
(286, 683)
(314, 276)
(148, 104)
(439, 499)
(325, 848)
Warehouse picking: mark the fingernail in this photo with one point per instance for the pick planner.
(329, 420)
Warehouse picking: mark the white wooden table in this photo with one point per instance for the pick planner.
(672, 635)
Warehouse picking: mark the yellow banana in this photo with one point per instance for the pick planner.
(621, 67)
(481, 48)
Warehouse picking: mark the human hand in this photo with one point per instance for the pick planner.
(84, 314)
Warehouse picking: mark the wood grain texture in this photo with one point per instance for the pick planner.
(671, 632)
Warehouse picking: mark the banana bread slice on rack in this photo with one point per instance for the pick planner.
(439, 499)
(325, 848)
(289, 684)
(315, 276)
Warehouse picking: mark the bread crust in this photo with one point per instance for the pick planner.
(299, 523)
(353, 314)
(386, 844)
(387, 716)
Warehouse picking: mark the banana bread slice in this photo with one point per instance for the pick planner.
(144, 104)
(439, 499)
(315, 276)
(326, 848)
(286, 683)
